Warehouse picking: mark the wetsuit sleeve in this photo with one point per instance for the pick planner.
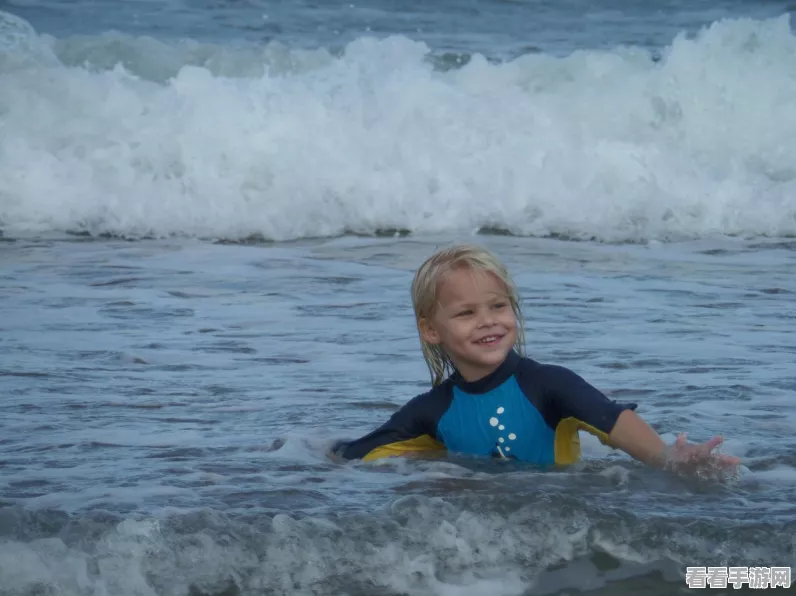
(571, 397)
(411, 429)
(575, 405)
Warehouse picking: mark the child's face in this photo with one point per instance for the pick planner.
(473, 321)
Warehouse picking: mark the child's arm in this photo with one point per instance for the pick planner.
(635, 437)
(406, 432)
(571, 396)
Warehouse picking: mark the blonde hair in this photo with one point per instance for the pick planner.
(424, 297)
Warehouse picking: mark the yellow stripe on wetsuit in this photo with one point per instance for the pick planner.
(567, 441)
(423, 443)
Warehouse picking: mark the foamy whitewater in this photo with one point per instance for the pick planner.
(210, 214)
(137, 137)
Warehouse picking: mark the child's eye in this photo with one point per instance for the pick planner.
(464, 313)
(499, 305)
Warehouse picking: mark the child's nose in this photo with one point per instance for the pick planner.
(487, 317)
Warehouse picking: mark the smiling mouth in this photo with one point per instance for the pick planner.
(489, 340)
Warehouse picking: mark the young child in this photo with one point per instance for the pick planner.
(487, 398)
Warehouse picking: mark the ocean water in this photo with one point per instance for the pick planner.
(210, 214)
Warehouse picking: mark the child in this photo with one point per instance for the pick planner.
(487, 398)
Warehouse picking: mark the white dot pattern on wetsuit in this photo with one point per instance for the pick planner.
(495, 421)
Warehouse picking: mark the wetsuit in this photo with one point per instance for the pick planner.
(523, 410)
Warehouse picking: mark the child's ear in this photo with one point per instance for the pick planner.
(427, 331)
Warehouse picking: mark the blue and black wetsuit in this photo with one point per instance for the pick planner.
(523, 410)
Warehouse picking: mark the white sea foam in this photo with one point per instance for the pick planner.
(286, 144)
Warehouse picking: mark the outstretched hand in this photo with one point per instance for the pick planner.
(639, 440)
(693, 458)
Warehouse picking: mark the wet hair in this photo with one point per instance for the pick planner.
(425, 290)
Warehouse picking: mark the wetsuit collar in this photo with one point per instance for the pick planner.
(494, 379)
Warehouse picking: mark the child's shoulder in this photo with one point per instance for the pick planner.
(529, 365)
(547, 375)
(429, 405)
(432, 394)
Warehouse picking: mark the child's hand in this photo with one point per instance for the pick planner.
(639, 440)
(686, 457)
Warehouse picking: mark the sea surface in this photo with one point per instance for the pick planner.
(210, 215)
